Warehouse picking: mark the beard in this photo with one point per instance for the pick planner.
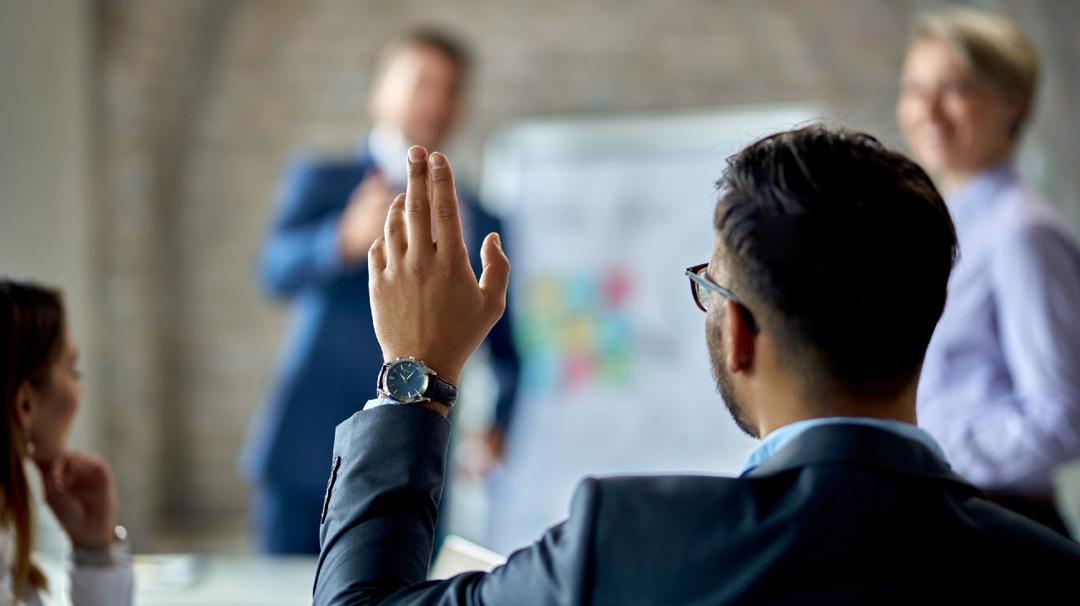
(714, 337)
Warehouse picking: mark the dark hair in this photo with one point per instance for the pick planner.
(32, 328)
(426, 37)
(843, 248)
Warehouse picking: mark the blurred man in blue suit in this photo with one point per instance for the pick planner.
(315, 257)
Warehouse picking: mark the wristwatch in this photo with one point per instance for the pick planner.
(410, 381)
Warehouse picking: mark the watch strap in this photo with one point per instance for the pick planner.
(441, 391)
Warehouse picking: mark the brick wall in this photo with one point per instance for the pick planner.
(200, 103)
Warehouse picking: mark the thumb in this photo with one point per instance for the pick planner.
(374, 177)
(377, 184)
(496, 275)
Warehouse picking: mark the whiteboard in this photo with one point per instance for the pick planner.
(602, 216)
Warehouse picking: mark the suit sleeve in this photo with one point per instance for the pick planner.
(1035, 426)
(379, 521)
(301, 247)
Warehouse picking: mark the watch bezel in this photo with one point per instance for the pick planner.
(384, 381)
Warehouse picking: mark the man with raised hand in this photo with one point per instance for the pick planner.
(826, 281)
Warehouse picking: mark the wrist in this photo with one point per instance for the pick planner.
(105, 554)
(95, 542)
(410, 380)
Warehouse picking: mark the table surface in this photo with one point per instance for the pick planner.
(256, 580)
(205, 580)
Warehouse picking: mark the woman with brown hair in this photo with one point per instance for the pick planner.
(58, 538)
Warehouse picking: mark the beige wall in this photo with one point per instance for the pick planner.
(44, 192)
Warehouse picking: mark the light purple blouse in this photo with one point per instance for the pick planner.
(1000, 388)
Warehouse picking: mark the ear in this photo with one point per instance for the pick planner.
(26, 404)
(1018, 110)
(740, 339)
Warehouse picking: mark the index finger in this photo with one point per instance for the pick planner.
(417, 204)
(444, 204)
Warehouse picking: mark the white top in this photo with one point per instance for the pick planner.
(69, 585)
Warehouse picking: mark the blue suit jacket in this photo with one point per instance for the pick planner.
(331, 358)
(843, 514)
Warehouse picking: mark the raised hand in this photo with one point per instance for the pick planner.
(82, 493)
(425, 299)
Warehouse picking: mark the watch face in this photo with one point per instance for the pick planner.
(406, 380)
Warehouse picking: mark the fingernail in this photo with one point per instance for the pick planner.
(498, 240)
(416, 154)
(438, 160)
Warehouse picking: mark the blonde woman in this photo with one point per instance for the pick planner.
(1000, 388)
(58, 539)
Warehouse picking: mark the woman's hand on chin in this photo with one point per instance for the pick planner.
(82, 493)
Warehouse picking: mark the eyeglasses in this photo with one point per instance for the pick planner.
(701, 286)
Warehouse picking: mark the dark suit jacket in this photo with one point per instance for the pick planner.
(330, 358)
(844, 514)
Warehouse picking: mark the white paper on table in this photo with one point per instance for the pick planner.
(461, 555)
